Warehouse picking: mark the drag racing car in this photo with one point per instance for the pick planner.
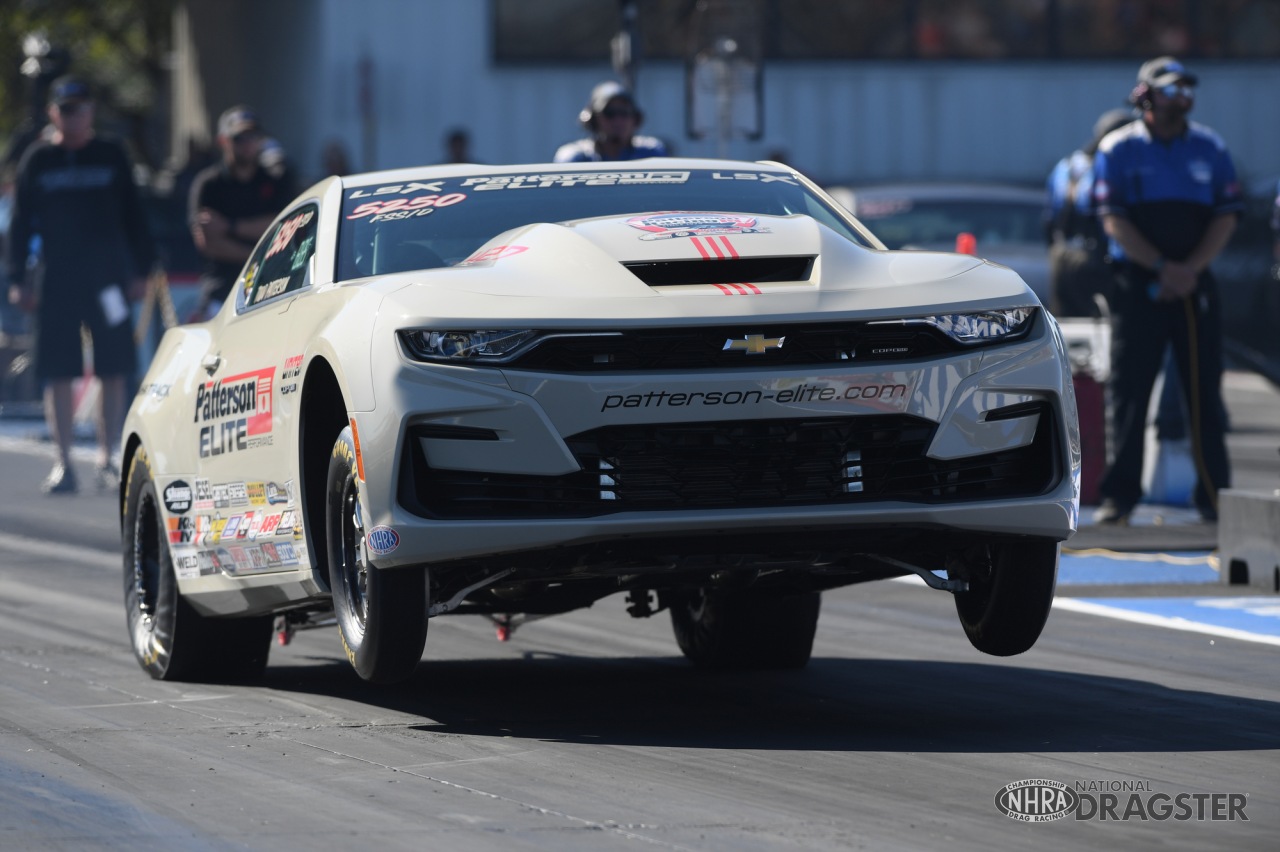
(512, 391)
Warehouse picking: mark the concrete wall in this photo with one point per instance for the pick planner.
(298, 62)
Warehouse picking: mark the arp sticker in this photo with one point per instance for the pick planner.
(383, 540)
(178, 497)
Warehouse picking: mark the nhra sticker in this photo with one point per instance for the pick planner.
(241, 407)
(383, 540)
(662, 226)
(177, 497)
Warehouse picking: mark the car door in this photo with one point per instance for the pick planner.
(246, 408)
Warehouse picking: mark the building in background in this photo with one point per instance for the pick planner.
(856, 91)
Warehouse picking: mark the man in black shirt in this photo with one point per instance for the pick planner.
(233, 202)
(75, 191)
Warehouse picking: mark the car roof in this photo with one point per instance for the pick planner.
(464, 169)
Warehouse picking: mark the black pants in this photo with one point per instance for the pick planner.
(1140, 330)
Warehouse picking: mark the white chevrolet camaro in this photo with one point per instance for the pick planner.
(511, 391)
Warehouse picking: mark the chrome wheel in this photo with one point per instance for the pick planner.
(354, 566)
(381, 611)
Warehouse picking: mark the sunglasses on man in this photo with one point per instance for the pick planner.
(1174, 89)
(618, 112)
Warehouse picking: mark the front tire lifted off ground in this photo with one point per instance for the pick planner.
(382, 615)
(1011, 586)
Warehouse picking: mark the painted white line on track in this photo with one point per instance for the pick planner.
(63, 552)
(1075, 605)
(34, 447)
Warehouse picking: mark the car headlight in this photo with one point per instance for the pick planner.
(977, 327)
(467, 347)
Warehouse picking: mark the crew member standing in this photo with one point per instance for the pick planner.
(1078, 272)
(75, 190)
(233, 203)
(612, 118)
(1168, 196)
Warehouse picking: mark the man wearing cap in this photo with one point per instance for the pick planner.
(1167, 192)
(233, 202)
(75, 192)
(612, 118)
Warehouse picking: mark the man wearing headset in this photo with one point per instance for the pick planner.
(612, 118)
(1168, 196)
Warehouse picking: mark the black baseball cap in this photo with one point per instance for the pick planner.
(68, 88)
(1164, 70)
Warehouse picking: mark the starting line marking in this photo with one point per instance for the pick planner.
(1136, 610)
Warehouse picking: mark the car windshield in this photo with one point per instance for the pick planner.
(435, 222)
(901, 221)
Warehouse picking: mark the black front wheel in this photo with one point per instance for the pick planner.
(745, 629)
(382, 614)
(1011, 586)
(170, 640)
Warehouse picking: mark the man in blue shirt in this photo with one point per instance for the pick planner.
(1167, 193)
(612, 118)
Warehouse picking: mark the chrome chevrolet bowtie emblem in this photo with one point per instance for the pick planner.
(754, 344)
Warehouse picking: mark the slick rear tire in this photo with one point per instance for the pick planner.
(381, 614)
(1011, 586)
(170, 640)
(745, 629)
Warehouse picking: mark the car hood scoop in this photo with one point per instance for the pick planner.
(620, 266)
(757, 270)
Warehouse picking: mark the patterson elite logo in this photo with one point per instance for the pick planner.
(1041, 800)
(236, 411)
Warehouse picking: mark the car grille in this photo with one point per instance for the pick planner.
(658, 349)
(735, 464)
